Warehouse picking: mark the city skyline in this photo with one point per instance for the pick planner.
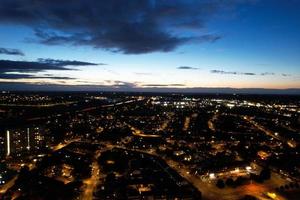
(156, 46)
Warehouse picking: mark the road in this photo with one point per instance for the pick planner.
(211, 192)
(31, 166)
(166, 121)
(109, 105)
(8, 185)
(66, 143)
(140, 133)
(186, 123)
(211, 124)
(263, 129)
(39, 105)
(90, 184)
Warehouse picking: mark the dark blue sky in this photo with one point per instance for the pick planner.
(128, 45)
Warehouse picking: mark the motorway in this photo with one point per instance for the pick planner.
(108, 105)
(39, 105)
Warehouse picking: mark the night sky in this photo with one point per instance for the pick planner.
(149, 45)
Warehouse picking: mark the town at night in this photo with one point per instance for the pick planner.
(149, 146)
(149, 100)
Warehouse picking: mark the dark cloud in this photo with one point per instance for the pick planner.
(29, 76)
(267, 74)
(247, 73)
(39, 65)
(164, 85)
(14, 52)
(215, 71)
(187, 67)
(285, 74)
(66, 62)
(130, 27)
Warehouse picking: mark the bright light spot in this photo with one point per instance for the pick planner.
(248, 168)
(8, 143)
(271, 195)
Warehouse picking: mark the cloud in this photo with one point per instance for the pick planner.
(130, 27)
(15, 52)
(123, 84)
(67, 62)
(215, 71)
(39, 65)
(267, 74)
(10, 69)
(29, 76)
(187, 68)
(163, 85)
(246, 73)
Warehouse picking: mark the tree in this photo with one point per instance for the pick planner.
(248, 197)
(229, 182)
(220, 183)
(265, 174)
(239, 181)
(281, 188)
(287, 187)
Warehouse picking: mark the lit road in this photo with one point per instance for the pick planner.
(91, 183)
(166, 122)
(263, 129)
(31, 166)
(140, 133)
(66, 143)
(109, 105)
(8, 185)
(208, 189)
(210, 123)
(211, 192)
(186, 123)
(39, 105)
